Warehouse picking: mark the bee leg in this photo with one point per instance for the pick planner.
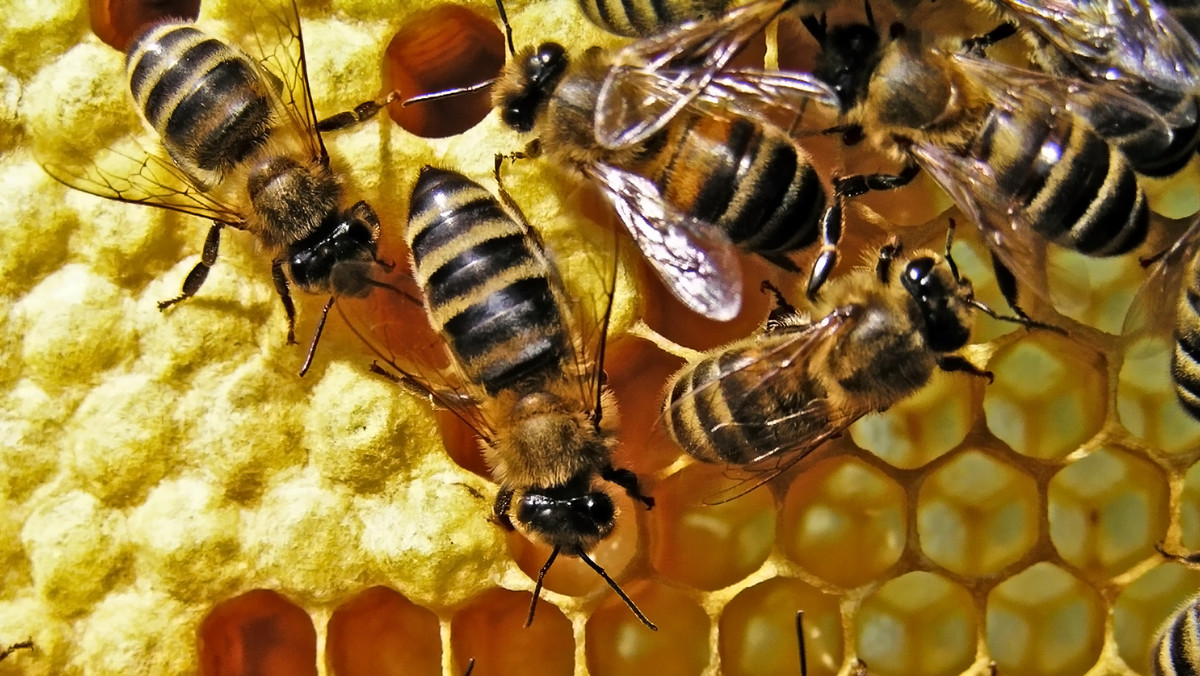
(783, 311)
(887, 253)
(977, 44)
(362, 112)
(951, 363)
(511, 204)
(500, 509)
(195, 278)
(800, 638)
(628, 480)
(1192, 558)
(831, 235)
(23, 645)
(861, 184)
(285, 296)
(1007, 282)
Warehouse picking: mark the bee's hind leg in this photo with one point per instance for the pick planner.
(360, 113)
(285, 296)
(195, 278)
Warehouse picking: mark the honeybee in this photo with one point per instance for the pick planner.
(23, 645)
(657, 128)
(766, 402)
(1177, 643)
(644, 18)
(521, 377)
(1017, 150)
(240, 145)
(1137, 45)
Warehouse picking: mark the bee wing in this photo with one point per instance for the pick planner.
(133, 174)
(772, 97)
(774, 370)
(393, 324)
(694, 258)
(1137, 42)
(653, 79)
(1152, 312)
(278, 45)
(1006, 229)
(1112, 112)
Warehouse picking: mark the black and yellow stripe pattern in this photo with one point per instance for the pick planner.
(1185, 363)
(640, 18)
(486, 283)
(1177, 651)
(1075, 188)
(206, 99)
(747, 178)
(724, 408)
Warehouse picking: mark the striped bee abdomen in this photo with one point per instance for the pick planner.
(1185, 363)
(640, 18)
(718, 409)
(207, 100)
(1177, 649)
(747, 178)
(486, 284)
(1077, 190)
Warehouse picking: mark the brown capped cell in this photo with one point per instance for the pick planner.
(260, 632)
(442, 48)
(117, 22)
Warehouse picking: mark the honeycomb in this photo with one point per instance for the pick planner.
(175, 500)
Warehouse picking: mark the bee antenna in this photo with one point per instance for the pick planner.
(507, 27)
(800, 637)
(394, 289)
(870, 14)
(628, 601)
(949, 258)
(1023, 321)
(537, 588)
(470, 667)
(815, 27)
(449, 93)
(312, 347)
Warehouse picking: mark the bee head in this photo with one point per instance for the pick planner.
(572, 517)
(339, 256)
(944, 301)
(539, 71)
(846, 61)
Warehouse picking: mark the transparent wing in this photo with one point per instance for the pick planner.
(772, 97)
(1132, 41)
(277, 43)
(1152, 312)
(778, 367)
(653, 79)
(1112, 112)
(694, 258)
(393, 324)
(133, 174)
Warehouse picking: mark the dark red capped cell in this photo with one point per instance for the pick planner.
(442, 48)
(117, 22)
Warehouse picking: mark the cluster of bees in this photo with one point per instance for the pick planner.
(703, 160)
